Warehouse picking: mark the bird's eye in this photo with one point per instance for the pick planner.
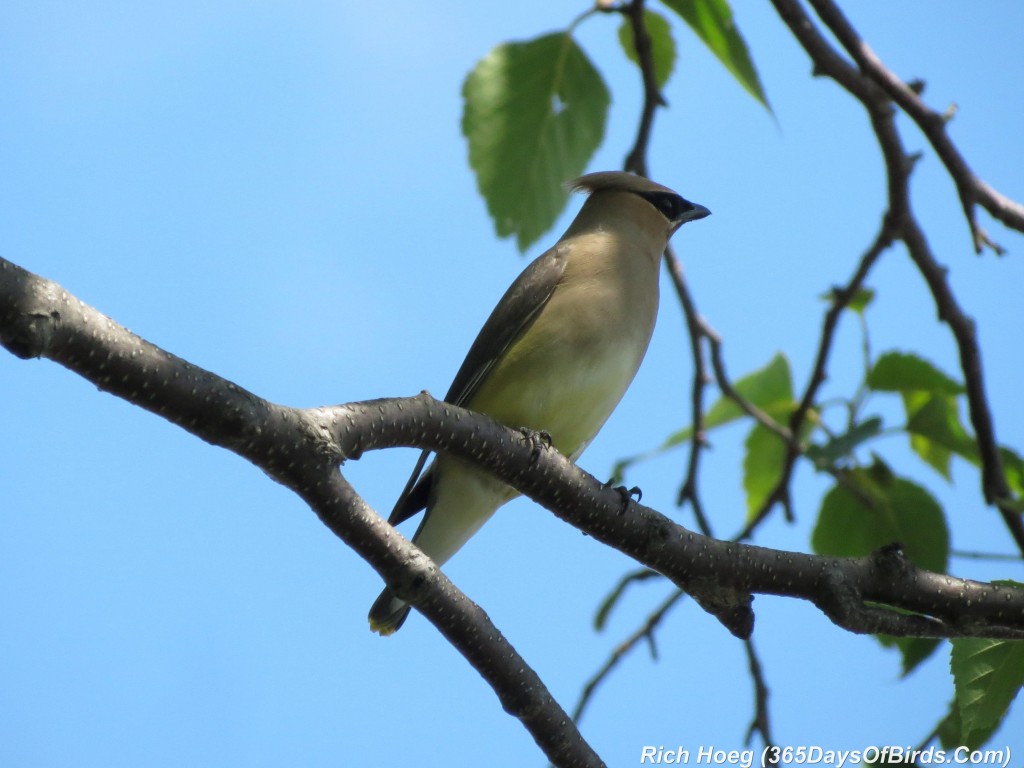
(669, 205)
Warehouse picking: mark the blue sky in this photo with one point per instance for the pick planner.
(280, 193)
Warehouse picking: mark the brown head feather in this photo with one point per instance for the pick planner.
(627, 182)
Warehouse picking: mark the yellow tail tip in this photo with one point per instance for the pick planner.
(387, 614)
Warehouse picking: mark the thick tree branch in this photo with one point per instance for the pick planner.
(706, 568)
(302, 448)
(295, 447)
(413, 576)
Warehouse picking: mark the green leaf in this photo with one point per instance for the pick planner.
(987, 676)
(1013, 467)
(936, 432)
(533, 114)
(763, 462)
(901, 511)
(769, 388)
(904, 372)
(860, 300)
(877, 474)
(712, 21)
(950, 728)
(913, 650)
(765, 457)
(858, 303)
(930, 400)
(663, 47)
(843, 445)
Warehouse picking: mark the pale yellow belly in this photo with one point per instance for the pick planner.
(563, 376)
(568, 394)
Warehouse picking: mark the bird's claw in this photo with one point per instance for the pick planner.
(538, 440)
(627, 494)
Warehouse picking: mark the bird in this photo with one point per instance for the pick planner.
(554, 358)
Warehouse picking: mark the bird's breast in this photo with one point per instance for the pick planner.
(568, 371)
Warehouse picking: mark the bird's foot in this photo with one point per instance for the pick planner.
(627, 494)
(538, 441)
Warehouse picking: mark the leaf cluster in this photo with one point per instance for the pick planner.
(870, 505)
(535, 111)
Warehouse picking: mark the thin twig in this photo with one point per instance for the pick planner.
(993, 478)
(636, 160)
(905, 227)
(761, 722)
(841, 298)
(698, 329)
(970, 188)
(644, 632)
(968, 555)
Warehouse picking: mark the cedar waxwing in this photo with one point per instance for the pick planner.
(556, 355)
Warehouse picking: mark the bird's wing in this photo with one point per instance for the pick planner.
(416, 493)
(516, 311)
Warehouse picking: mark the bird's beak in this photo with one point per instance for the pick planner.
(698, 211)
(694, 212)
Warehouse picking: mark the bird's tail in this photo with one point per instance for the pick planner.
(388, 613)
